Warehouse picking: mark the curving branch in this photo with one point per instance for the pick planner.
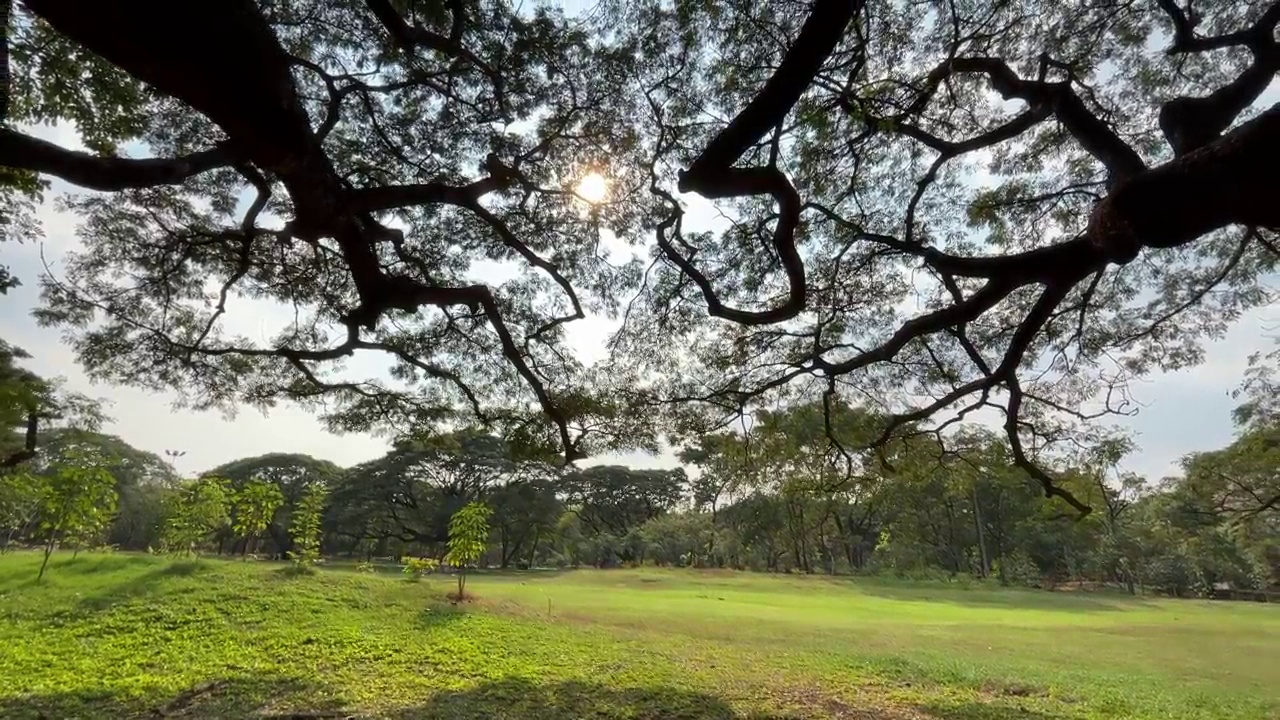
(713, 176)
(236, 73)
(410, 37)
(1090, 131)
(1189, 123)
(1185, 39)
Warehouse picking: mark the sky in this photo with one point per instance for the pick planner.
(1178, 412)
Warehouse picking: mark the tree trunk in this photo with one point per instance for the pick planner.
(533, 552)
(985, 566)
(48, 550)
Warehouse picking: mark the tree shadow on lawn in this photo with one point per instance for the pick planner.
(143, 584)
(258, 697)
(278, 698)
(998, 597)
(983, 711)
(515, 698)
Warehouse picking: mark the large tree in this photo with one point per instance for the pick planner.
(409, 494)
(940, 207)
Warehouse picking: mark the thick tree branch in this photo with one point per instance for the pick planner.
(103, 173)
(712, 174)
(409, 37)
(1185, 39)
(1093, 134)
(1189, 123)
(1231, 181)
(29, 447)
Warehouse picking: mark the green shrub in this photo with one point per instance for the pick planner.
(416, 568)
(1017, 568)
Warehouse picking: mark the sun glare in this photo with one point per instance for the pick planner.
(593, 188)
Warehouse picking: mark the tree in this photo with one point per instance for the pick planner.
(253, 507)
(409, 495)
(304, 527)
(525, 514)
(290, 474)
(468, 538)
(143, 479)
(24, 397)
(612, 501)
(1243, 478)
(854, 175)
(30, 405)
(199, 508)
(919, 207)
(21, 495)
(77, 503)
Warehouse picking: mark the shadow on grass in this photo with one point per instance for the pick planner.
(571, 701)
(20, 567)
(440, 614)
(983, 711)
(995, 596)
(264, 697)
(268, 698)
(140, 585)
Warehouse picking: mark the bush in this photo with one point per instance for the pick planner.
(1017, 568)
(416, 568)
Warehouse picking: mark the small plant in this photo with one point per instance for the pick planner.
(305, 528)
(198, 509)
(365, 566)
(416, 568)
(468, 539)
(77, 503)
(253, 507)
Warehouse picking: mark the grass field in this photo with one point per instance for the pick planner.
(109, 636)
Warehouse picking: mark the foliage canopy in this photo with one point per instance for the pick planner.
(943, 208)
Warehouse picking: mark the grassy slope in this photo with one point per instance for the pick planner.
(115, 635)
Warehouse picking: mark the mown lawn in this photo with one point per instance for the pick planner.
(135, 636)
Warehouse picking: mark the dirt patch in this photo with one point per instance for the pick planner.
(1013, 689)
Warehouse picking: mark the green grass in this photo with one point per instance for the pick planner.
(134, 636)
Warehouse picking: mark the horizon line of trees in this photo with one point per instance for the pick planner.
(781, 497)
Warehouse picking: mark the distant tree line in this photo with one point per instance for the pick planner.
(780, 497)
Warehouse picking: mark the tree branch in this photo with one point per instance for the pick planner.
(29, 448)
(1185, 39)
(713, 176)
(103, 173)
(1093, 134)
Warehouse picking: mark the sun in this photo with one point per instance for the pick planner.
(593, 188)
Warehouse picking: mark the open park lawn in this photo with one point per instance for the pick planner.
(114, 635)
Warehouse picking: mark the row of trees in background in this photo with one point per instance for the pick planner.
(781, 497)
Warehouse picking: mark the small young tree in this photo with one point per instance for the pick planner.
(200, 507)
(304, 527)
(255, 506)
(78, 501)
(468, 537)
